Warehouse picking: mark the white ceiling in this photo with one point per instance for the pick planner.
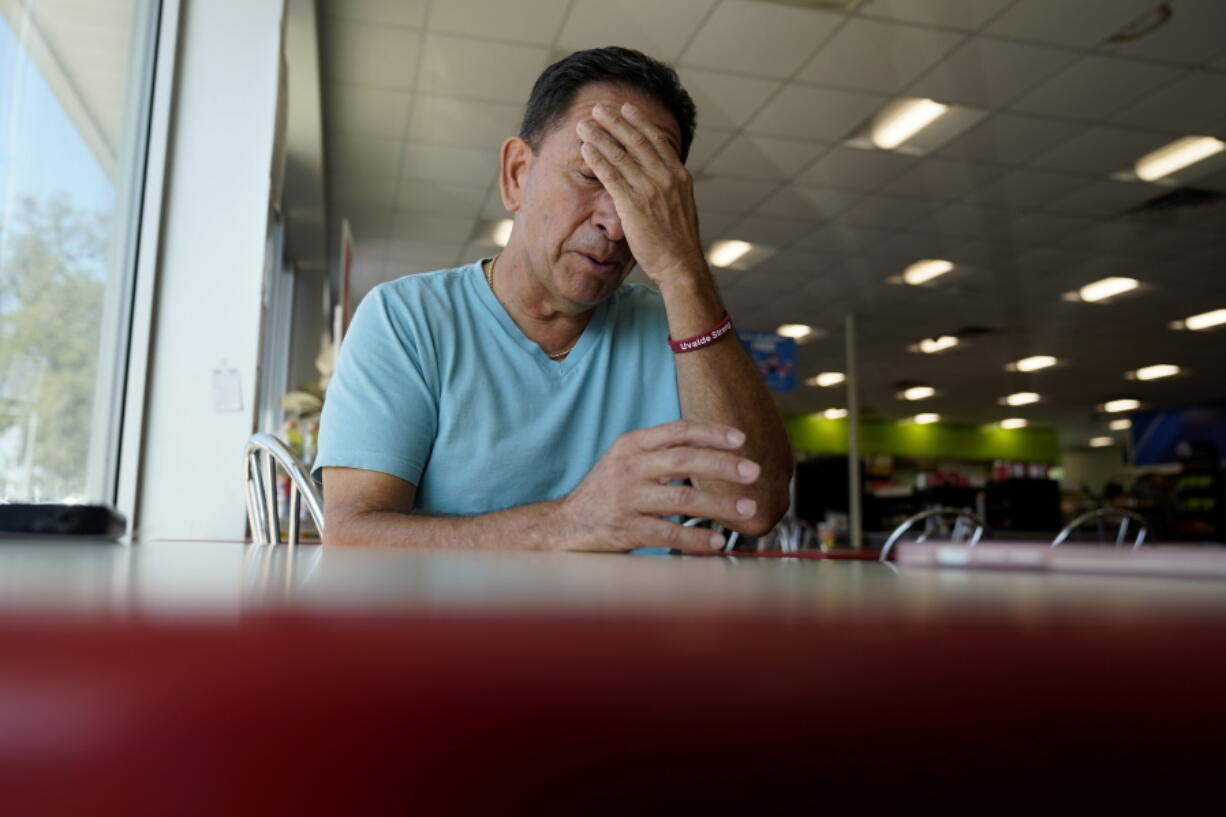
(1013, 187)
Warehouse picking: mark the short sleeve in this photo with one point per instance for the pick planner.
(380, 413)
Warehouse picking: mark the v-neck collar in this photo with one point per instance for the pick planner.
(512, 333)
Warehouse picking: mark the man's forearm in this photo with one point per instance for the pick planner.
(719, 383)
(528, 527)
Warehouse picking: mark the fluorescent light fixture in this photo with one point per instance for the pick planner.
(502, 232)
(1156, 371)
(1032, 363)
(834, 414)
(1021, 398)
(1122, 424)
(1014, 422)
(1106, 288)
(826, 379)
(1125, 404)
(931, 346)
(1205, 320)
(927, 418)
(727, 253)
(1102, 442)
(917, 393)
(902, 119)
(924, 270)
(1176, 156)
(794, 330)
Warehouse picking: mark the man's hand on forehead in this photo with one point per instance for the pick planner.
(639, 164)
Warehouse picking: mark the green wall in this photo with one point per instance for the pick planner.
(814, 434)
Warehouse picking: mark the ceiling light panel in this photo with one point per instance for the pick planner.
(1156, 371)
(794, 330)
(1106, 288)
(1123, 424)
(1014, 422)
(931, 346)
(834, 413)
(1176, 156)
(927, 418)
(727, 253)
(826, 379)
(1205, 320)
(902, 119)
(1123, 404)
(1021, 398)
(925, 270)
(1032, 363)
(917, 393)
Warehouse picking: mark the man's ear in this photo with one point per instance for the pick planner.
(516, 160)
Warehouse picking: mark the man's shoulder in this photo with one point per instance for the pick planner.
(447, 283)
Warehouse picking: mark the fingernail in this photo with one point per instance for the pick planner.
(736, 436)
(601, 109)
(584, 127)
(629, 107)
(746, 507)
(716, 541)
(747, 469)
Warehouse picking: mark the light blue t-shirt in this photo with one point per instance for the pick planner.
(437, 385)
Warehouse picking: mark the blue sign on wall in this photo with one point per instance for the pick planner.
(1156, 435)
(775, 357)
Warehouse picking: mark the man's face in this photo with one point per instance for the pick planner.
(565, 218)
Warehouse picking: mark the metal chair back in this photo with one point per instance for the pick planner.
(1103, 516)
(261, 456)
(934, 523)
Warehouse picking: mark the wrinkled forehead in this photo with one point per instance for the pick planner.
(614, 96)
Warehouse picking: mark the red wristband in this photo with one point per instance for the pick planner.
(705, 339)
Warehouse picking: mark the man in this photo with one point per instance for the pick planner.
(532, 400)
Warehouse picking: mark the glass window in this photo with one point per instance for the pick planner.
(75, 82)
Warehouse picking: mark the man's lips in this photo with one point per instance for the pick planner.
(602, 264)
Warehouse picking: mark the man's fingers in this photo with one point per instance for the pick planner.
(688, 432)
(643, 140)
(648, 531)
(687, 462)
(610, 176)
(611, 151)
(686, 500)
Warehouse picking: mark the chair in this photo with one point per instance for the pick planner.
(261, 456)
(933, 520)
(1102, 516)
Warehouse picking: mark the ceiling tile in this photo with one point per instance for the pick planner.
(957, 219)
(1094, 87)
(1100, 151)
(773, 232)
(658, 29)
(873, 55)
(368, 224)
(707, 143)
(411, 13)
(886, 212)
(364, 191)
(411, 227)
(1082, 24)
(1042, 228)
(841, 239)
(937, 178)
(410, 257)
(717, 194)
(1026, 188)
(1191, 104)
(726, 101)
(524, 21)
(370, 54)
(853, 169)
(820, 114)
(760, 39)
(444, 120)
(362, 109)
(1105, 197)
(478, 69)
(443, 198)
(762, 157)
(990, 73)
(493, 209)
(1009, 139)
(961, 14)
(1192, 36)
(360, 155)
(441, 163)
(806, 201)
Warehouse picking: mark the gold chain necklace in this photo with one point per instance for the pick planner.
(489, 279)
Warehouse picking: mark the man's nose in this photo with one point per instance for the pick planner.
(605, 217)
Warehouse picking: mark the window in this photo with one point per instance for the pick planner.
(75, 87)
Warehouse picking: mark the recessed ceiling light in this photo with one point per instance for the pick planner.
(927, 418)
(794, 330)
(917, 393)
(1102, 442)
(834, 413)
(726, 253)
(1106, 288)
(1122, 424)
(1021, 398)
(1032, 363)
(902, 119)
(1124, 404)
(925, 270)
(1156, 371)
(1014, 422)
(826, 379)
(1177, 155)
(1205, 320)
(930, 346)
(502, 231)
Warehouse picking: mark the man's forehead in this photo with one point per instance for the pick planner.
(615, 96)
